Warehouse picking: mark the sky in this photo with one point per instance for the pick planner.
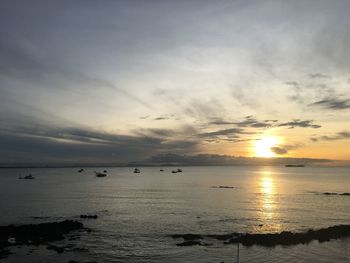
(116, 81)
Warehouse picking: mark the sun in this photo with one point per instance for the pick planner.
(263, 146)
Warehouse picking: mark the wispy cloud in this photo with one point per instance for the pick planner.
(232, 132)
(300, 123)
(338, 136)
(333, 103)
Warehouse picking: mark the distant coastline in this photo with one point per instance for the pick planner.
(164, 160)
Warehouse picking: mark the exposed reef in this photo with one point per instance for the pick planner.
(285, 238)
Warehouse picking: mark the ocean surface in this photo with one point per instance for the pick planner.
(138, 212)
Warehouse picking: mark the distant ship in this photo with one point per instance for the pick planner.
(136, 171)
(294, 165)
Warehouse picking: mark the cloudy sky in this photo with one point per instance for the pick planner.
(109, 81)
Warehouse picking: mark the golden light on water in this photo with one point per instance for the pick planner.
(267, 201)
(266, 185)
(262, 147)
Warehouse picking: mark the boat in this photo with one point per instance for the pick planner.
(161, 170)
(80, 170)
(136, 171)
(28, 177)
(179, 170)
(174, 171)
(98, 174)
(294, 165)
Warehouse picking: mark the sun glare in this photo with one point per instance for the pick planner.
(264, 145)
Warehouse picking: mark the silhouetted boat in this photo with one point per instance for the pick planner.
(98, 174)
(136, 171)
(173, 171)
(294, 165)
(28, 177)
(80, 170)
(161, 170)
(179, 170)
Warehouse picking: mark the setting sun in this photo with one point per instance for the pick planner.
(263, 147)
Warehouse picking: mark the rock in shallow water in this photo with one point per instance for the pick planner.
(36, 234)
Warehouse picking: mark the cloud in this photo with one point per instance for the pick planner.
(284, 149)
(249, 121)
(333, 104)
(319, 76)
(70, 144)
(164, 117)
(300, 123)
(22, 63)
(338, 136)
(232, 132)
(279, 150)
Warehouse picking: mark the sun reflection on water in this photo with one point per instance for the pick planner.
(267, 202)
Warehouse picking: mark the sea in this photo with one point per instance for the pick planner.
(138, 212)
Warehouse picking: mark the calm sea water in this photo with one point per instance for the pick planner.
(138, 212)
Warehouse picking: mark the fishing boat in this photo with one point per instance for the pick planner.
(98, 174)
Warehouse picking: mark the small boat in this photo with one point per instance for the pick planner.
(28, 177)
(105, 171)
(179, 170)
(98, 174)
(136, 171)
(161, 170)
(174, 171)
(80, 170)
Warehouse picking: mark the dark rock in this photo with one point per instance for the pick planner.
(331, 193)
(189, 243)
(328, 193)
(285, 238)
(37, 234)
(55, 248)
(4, 253)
